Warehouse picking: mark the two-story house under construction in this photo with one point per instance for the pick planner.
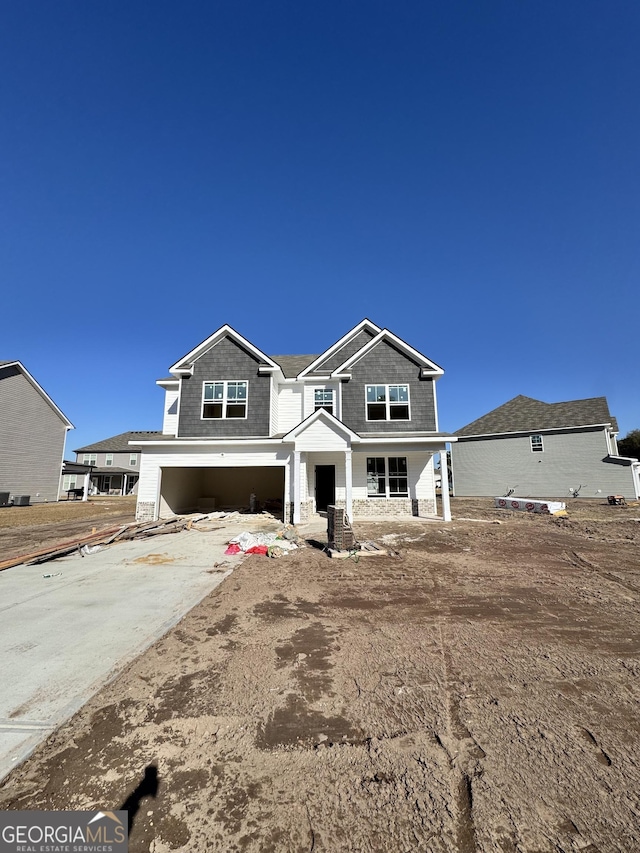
(356, 426)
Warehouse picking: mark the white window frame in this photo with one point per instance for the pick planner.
(388, 403)
(108, 460)
(324, 404)
(133, 460)
(225, 401)
(89, 458)
(69, 482)
(387, 477)
(539, 444)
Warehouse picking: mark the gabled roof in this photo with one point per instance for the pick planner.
(363, 325)
(329, 419)
(292, 365)
(119, 443)
(184, 364)
(429, 368)
(19, 366)
(524, 414)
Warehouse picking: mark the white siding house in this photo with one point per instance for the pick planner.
(355, 426)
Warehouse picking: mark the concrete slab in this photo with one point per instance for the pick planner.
(70, 625)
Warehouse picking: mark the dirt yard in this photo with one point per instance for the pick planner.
(24, 529)
(477, 692)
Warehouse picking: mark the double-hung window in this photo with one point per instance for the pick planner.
(387, 402)
(133, 460)
(323, 399)
(224, 399)
(387, 477)
(89, 459)
(108, 459)
(536, 444)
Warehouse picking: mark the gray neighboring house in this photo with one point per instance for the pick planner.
(355, 426)
(115, 464)
(33, 432)
(543, 450)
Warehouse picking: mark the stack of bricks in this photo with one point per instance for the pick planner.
(339, 532)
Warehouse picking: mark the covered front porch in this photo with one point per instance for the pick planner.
(390, 477)
(114, 481)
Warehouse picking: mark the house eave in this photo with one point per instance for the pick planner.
(534, 431)
(67, 423)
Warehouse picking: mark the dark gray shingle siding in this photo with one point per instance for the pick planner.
(226, 360)
(350, 348)
(383, 365)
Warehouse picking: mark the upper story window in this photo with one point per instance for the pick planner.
(388, 403)
(323, 399)
(224, 399)
(133, 460)
(536, 444)
(89, 459)
(108, 459)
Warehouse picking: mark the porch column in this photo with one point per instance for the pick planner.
(348, 481)
(444, 486)
(124, 485)
(85, 491)
(296, 487)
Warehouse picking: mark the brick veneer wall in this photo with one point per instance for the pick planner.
(392, 507)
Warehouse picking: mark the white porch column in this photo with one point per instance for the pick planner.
(85, 491)
(444, 486)
(124, 485)
(348, 481)
(296, 487)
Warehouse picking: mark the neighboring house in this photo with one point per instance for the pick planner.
(356, 426)
(115, 464)
(33, 432)
(545, 450)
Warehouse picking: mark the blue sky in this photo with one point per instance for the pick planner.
(463, 173)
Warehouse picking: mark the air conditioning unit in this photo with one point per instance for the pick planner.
(4, 498)
(21, 500)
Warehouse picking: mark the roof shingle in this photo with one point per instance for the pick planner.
(524, 414)
(118, 443)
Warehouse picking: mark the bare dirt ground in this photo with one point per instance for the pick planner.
(478, 692)
(26, 529)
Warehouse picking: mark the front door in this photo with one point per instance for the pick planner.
(325, 486)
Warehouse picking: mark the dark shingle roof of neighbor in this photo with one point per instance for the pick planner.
(292, 365)
(119, 443)
(524, 414)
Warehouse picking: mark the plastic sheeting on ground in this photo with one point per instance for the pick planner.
(260, 543)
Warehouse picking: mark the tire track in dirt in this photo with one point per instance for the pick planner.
(583, 563)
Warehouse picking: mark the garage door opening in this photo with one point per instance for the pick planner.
(185, 490)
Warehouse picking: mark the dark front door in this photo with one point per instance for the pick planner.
(325, 486)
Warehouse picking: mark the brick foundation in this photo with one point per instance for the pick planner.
(393, 507)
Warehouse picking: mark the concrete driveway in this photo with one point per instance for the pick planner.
(70, 625)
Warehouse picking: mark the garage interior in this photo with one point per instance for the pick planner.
(184, 490)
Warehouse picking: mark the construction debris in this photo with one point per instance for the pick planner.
(531, 505)
(87, 545)
(267, 544)
(362, 549)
